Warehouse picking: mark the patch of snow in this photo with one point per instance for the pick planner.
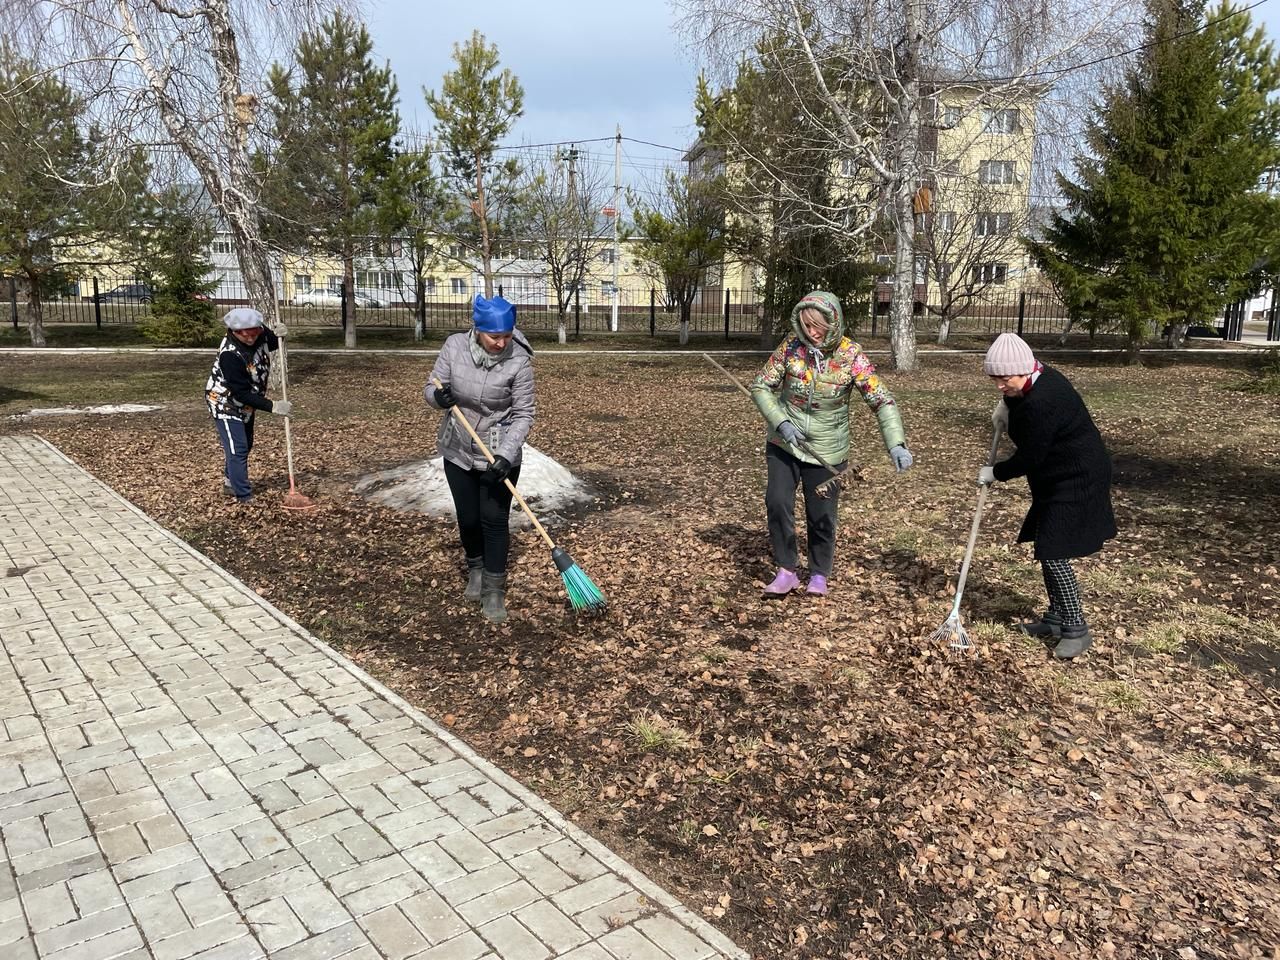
(545, 485)
(106, 408)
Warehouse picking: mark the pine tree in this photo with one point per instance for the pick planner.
(66, 208)
(335, 119)
(1164, 222)
(476, 107)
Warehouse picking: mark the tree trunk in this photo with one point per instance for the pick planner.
(1066, 330)
(349, 308)
(902, 322)
(419, 307)
(482, 215)
(768, 310)
(562, 335)
(35, 309)
(1176, 339)
(944, 327)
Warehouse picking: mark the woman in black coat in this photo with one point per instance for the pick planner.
(1060, 452)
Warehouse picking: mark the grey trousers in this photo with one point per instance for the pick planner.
(785, 474)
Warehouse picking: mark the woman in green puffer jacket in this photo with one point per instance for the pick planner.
(804, 393)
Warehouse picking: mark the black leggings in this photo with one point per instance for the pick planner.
(786, 473)
(484, 514)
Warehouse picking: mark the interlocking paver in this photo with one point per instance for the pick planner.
(186, 775)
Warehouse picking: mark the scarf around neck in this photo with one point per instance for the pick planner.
(483, 358)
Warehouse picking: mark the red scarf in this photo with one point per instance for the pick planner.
(1026, 387)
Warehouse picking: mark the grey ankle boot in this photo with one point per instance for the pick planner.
(1076, 639)
(1048, 628)
(475, 570)
(494, 597)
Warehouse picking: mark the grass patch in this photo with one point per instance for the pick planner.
(1219, 767)
(656, 737)
(1120, 696)
(1165, 636)
(717, 654)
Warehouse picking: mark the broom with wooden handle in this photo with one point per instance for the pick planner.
(583, 594)
(293, 500)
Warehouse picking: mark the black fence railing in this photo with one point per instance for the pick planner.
(641, 309)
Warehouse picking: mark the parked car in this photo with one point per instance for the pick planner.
(320, 297)
(128, 293)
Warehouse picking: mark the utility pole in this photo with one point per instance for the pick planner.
(617, 189)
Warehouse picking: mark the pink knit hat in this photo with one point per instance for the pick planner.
(1009, 356)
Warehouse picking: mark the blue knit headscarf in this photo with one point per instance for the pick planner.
(495, 315)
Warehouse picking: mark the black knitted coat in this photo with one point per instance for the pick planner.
(1061, 453)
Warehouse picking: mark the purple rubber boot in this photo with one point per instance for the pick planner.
(783, 583)
(817, 586)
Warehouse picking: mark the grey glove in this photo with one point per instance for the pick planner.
(901, 457)
(986, 476)
(280, 330)
(1000, 416)
(281, 407)
(789, 432)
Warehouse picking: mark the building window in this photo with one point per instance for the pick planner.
(884, 261)
(945, 222)
(951, 116)
(944, 272)
(1000, 121)
(221, 246)
(302, 282)
(431, 285)
(996, 171)
(606, 290)
(992, 225)
(335, 284)
(990, 273)
(457, 285)
(455, 251)
(848, 167)
(607, 254)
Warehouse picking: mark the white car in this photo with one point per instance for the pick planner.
(320, 297)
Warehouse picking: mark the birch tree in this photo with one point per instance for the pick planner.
(868, 79)
(182, 75)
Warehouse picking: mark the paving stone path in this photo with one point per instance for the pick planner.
(186, 773)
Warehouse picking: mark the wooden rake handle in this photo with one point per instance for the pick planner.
(977, 521)
(838, 475)
(490, 457)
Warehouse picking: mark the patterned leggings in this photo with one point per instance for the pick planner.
(1064, 591)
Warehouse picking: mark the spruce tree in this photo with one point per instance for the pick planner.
(335, 119)
(1164, 222)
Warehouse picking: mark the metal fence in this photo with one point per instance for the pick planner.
(727, 312)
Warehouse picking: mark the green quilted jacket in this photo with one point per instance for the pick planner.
(811, 384)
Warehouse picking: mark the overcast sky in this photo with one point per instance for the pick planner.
(585, 66)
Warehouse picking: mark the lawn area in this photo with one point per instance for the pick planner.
(814, 776)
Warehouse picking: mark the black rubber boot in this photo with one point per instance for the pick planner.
(475, 568)
(1048, 628)
(1076, 639)
(493, 601)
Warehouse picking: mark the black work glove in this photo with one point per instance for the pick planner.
(445, 398)
(497, 471)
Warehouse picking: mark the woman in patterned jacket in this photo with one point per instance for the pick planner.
(237, 386)
(804, 392)
(487, 373)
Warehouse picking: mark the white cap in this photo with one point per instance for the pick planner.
(242, 318)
